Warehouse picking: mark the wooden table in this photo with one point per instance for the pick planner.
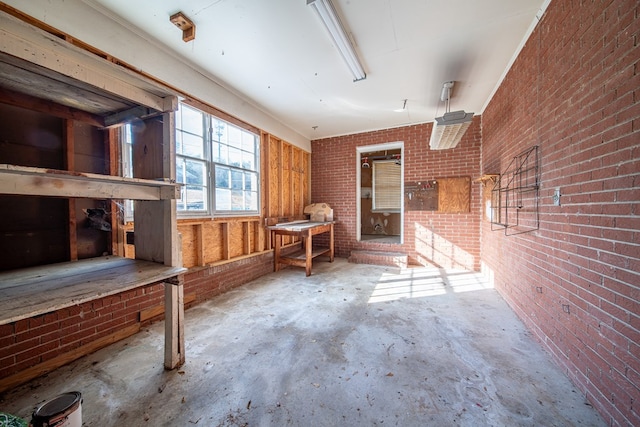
(305, 230)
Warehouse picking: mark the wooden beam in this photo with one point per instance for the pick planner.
(28, 102)
(139, 113)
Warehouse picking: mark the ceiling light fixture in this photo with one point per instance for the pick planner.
(449, 129)
(404, 107)
(329, 17)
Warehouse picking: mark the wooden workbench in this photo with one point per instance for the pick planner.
(305, 230)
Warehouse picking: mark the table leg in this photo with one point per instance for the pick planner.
(276, 251)
(331, 243)
(308, 254)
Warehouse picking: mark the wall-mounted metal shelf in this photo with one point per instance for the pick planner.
(514, 198)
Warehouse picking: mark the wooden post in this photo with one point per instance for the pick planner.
(226, 249)
(276, 239)
(199, 235)
(174, 324)
(246, 234)
(70, 165)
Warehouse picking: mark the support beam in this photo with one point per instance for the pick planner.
(174, 355)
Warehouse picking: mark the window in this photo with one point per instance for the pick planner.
(127, 166)
(218, 164)
(386, 186)
(191, 159)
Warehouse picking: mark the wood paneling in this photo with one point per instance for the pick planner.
(285, 187)
(454, 194)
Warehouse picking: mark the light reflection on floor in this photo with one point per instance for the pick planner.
(426, 282)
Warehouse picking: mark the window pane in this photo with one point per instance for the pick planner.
(220, 153)
(237, 180)
(190, 120)
(223, 199)
(234, 136)
(189, 145)
(251, 200)
(248, 160)
(250, 181)
(219, 130)
(237, 200)
(235, 157)
(194, 198)
(248, 142)
(223, 179)
(195, 172)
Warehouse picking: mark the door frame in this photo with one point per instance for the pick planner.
(367, 149)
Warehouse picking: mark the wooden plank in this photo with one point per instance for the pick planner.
(33, 291)
(22, 100)
(32, 181)
(31, 44)
(28, 374)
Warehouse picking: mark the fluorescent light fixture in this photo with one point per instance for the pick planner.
(449, 129)
(329, 17)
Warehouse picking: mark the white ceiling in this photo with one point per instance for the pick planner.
(277, 55)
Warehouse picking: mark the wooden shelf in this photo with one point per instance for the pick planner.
(34, 291)
(22, 180)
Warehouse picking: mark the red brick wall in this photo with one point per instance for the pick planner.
(574, 91)
(333, 181)
(207, 282)
(39, 339)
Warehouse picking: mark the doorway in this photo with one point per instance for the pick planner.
(380, 178)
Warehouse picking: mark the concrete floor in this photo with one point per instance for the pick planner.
(352, 345)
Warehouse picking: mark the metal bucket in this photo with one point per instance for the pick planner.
(63, 411)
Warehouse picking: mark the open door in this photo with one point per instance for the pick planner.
(380, 172)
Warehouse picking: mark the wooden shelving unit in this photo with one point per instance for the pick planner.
(42, 76)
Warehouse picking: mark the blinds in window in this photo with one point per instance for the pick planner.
(386, 186)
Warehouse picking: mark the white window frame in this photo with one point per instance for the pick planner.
(247, 179)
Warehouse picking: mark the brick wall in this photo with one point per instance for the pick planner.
(41, 339)
(207, 282)
(574, 92)
(333, 181)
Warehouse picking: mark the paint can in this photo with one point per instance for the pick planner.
(63, 411)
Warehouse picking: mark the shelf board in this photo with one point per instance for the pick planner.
(34, 291)
(30, 181)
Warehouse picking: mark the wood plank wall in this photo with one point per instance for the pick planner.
(285, 191)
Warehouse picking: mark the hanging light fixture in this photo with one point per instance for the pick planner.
(331, 21)
(449, 129)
